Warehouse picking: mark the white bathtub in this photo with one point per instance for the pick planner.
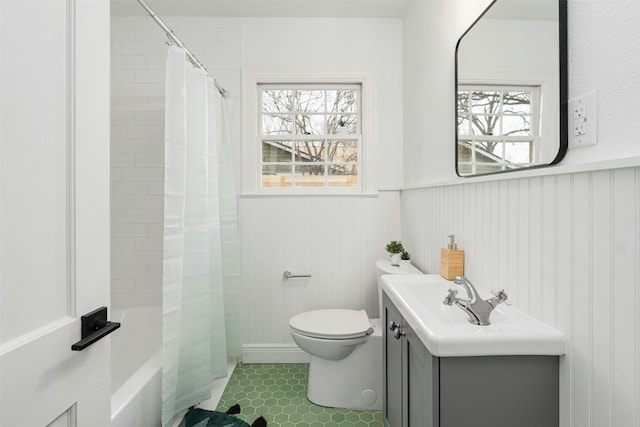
(136, 367)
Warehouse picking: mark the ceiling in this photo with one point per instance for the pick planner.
(265, 8)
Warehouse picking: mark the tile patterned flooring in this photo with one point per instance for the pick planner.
(278, 392)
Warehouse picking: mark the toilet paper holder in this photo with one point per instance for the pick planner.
(288, 275)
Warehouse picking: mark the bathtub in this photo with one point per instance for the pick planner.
(136, 367)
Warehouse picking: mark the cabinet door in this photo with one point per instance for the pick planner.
(420, 377)
(392, 361)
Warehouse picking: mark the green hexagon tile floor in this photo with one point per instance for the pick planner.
(278, 392)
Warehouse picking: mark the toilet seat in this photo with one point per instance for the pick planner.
(336, 324)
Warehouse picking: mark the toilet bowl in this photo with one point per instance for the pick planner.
(345, 370)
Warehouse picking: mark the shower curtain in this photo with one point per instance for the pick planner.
(201, 268)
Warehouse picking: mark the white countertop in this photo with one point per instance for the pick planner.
(446, 331)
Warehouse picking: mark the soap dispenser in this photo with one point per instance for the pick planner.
(451, 260)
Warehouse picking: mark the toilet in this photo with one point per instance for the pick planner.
(346, 352)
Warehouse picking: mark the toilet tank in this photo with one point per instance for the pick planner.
(383, 266)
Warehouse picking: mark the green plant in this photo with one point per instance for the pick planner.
(394, 247)
(342, 122)
(405, 255)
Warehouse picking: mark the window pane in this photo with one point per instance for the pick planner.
(485, 125)
(342, 175)
(485, 102)
(310, 101)
(343, 124)
(277, 125)
(517, 103)
(463, 126)
(343, 151)
(310, 151)
(519, 152)
(342, 101)
(484, 150)
(310, 124)
(480, 158)
(276, 176)
(310, 175)
(463, 102)
(277, 100)
(516, 125)
(277, 151)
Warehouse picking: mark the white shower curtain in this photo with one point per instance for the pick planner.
(201, 268)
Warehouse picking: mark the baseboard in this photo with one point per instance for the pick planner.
(273, 353)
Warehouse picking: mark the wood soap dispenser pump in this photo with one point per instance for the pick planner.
(451, 260)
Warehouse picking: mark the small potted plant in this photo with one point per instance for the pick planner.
(395, 248)
(405, 260)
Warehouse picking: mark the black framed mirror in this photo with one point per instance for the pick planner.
(511, 88)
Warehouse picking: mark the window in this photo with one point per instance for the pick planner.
(498, 128)
(309, 135)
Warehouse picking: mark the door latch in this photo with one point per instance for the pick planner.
(94, 327)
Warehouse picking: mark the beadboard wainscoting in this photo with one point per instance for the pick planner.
(335, 239)
(566, 248)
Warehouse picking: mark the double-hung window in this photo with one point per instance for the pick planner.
(498, 128)
(310, 136)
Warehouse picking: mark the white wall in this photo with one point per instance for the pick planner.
(335, 42)
(336, 239)
(601, 57)
(564, 245)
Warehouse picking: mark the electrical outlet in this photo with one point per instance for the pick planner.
(580, 126)
(584, 124)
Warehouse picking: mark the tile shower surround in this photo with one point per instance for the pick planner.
(137, 139)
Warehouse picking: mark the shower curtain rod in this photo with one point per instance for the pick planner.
(177, 41)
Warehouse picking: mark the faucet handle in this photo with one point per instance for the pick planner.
(501, 296)
(451, 295)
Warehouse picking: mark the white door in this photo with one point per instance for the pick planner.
(54, 210)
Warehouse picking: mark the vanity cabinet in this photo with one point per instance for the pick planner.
(422, 390)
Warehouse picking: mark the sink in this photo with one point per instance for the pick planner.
(446, 331)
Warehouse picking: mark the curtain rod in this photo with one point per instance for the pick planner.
(177, 41)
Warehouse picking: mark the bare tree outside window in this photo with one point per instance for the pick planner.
(310, 131)
(497, 128)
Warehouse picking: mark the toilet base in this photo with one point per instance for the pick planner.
(354, 382)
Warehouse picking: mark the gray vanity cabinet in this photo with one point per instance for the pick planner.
(422, 390)
(411, 375)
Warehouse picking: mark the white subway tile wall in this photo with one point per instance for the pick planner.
(138, 53)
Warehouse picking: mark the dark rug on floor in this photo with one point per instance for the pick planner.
(197, 417)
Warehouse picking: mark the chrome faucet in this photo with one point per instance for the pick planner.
(476, 308)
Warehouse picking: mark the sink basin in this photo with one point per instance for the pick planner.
(446, 331)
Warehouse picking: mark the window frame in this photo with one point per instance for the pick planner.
(549, 98)
(533, 139)
(254, 77)
(295, 138)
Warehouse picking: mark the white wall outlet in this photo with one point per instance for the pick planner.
(583, 111)
(580, 126)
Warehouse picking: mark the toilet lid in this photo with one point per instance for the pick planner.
(332, 323)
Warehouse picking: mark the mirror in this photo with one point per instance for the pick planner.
(511, 88)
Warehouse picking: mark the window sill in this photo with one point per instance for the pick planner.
(314, 195)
